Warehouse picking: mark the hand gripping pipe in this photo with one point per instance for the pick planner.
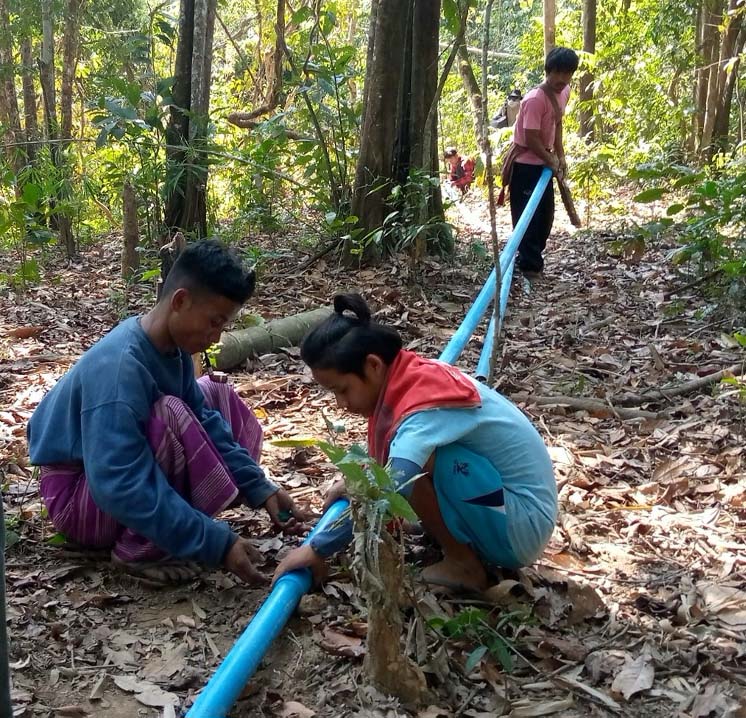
(224, 688)
(458, 341)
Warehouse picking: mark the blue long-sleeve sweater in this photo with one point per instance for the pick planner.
(97, 414)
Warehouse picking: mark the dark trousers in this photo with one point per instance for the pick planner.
(532, 245)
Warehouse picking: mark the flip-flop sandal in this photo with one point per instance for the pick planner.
(159, 573)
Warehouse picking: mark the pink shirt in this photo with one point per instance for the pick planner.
(537, 114)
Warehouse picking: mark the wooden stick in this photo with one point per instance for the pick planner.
(594, 406)
(687, 388)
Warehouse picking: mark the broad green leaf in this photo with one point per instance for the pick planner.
(475, 657)
(299, 441)
(650, 195)
(57, 540)
(400, 507)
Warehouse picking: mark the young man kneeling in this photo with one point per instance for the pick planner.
(138, 456)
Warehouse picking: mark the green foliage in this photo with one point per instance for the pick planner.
(705, 206)
(483, 630)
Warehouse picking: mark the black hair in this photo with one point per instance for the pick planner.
(342, 342)
(562, 59)
(210, 266)
(450, 152)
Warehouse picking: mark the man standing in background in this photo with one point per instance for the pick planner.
(537, 143)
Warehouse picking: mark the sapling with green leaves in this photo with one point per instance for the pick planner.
(377, 564)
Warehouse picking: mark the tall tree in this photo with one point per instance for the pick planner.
(9, 112)
(586, 81)
(29, 98)
(550, 14)
(186, 134)
(399, 127)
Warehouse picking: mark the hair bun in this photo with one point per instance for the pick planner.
(354, 303)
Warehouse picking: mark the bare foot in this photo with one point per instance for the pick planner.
(159, 573)
(459, 576)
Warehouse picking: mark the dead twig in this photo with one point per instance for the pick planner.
(595, 406)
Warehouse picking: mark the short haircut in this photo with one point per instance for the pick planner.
(210, 266)
(561, 59)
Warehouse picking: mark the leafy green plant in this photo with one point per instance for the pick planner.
(483, 630)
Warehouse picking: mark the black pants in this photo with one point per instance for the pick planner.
(525, 178)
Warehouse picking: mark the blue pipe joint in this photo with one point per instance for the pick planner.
(232, 675)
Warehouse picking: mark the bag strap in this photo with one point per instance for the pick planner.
(552, 97)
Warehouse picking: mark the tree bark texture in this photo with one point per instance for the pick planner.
(29, 99)
(586, 81)
(721, 77)
(9, 99)
(186, 207)
(400, 87)
(46, 73)
(70, 43)
(386, 665)
(131, 232)
(236, 347)
(550, 14)
(472, 88)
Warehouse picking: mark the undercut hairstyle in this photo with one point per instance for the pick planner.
(561, 59)
(344, 340)
(210, 266)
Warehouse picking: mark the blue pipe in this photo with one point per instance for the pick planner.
(461, 336)
(225, 686)
(483, 367)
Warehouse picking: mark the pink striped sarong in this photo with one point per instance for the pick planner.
(186, 455)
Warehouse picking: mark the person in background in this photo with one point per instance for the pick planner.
(537, 143)
(508, 113)
(460, 171)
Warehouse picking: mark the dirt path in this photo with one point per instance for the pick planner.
(637, 607)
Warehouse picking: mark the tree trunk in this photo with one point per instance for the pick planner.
(387, 667)
(400, 86)
(238, 346)
(708, 19)
(46, 75)
(29, 99)
(550, 13)
(586, 81)
(70, 44)
(730, 49)
(472, 88)
(131, 238)
(9, 100)
(186, 207)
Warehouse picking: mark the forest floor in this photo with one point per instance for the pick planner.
(638, 606)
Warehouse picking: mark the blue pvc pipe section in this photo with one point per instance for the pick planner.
(483, 367)
(224, 688)
(458, 341)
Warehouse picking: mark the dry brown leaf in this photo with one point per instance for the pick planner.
(24, 332)
(545, 708)
(293, 709)
(71, 711)
(637, 675)
(433, 712)
(341, 645)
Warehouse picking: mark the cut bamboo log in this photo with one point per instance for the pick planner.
(236, 347)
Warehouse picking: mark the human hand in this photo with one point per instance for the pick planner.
(562, 167)
(554, 164)
(336, 491)
(302, 557)
(239, 560)
(284, 514)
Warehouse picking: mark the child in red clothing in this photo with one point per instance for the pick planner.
(460, 172)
